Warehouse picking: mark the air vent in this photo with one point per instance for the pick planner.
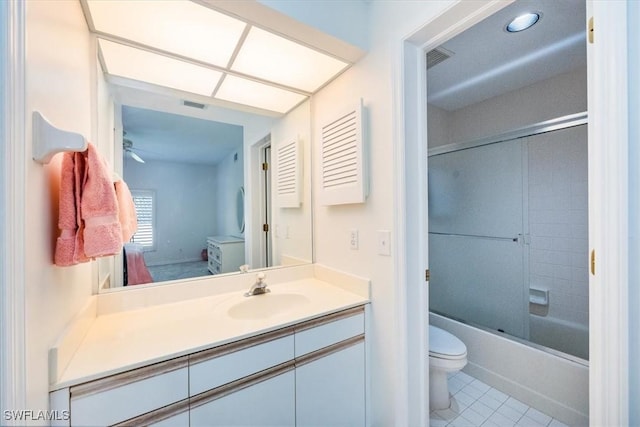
(193, 104)
(343, 178)
(288, 174)
(437, 55)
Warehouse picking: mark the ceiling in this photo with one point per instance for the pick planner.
(201, 49)
(488, 61)
(170, 137)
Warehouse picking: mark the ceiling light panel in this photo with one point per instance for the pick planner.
(137, 64)
(279, 60)
(180, 27)
(249, 92)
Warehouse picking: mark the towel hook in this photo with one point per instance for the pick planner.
(48, 140)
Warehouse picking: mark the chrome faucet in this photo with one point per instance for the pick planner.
(258, 288)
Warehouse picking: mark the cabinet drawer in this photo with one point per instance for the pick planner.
(314, 335)
(221, 365)
(120, 397)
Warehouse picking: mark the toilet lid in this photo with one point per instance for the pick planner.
(445, 345)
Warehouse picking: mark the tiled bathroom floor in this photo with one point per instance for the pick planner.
(475, 404)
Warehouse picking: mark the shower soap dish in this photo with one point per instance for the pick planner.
(539, 296)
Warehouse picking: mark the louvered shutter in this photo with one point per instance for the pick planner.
(144, 203)
(343, 169)
(289, 174)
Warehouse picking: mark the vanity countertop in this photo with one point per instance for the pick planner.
(126, 340)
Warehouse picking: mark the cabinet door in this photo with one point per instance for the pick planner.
(330, 390)
(124, 396)
(266, 403)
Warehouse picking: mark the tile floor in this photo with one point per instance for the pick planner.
(475, 404)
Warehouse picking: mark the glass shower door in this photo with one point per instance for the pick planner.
(476, 228)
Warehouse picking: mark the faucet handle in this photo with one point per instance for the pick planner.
(260, 276)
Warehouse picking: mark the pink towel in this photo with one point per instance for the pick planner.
(89, 217)
(99, 208)
(69, 248)
(137, 271)
(126, 210)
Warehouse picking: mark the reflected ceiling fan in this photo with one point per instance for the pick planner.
(127, 147)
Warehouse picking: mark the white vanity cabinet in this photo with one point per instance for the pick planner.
(269, 401)
(225, 254)
(123, 398)
(307, 374)
(245, 383)
(330, 371)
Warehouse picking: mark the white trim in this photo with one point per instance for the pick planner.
(411, 238)
(13, 394)
(633, 37)
(608, 214)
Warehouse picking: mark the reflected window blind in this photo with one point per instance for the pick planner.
(145, 203)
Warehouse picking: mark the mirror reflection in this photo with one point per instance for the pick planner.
(183, 173)
(203, 198)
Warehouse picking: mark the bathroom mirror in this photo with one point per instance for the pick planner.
(201, 170)
(259, 75)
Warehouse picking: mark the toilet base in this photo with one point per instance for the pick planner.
(438, 390)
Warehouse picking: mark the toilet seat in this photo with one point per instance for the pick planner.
(443, 345)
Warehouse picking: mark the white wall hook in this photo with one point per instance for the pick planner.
(49, 140)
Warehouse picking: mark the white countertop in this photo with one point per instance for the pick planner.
(126, 340)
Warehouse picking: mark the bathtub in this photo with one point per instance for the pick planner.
(568, 337)
(554, 384)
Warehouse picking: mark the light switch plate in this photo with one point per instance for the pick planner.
(384, 242)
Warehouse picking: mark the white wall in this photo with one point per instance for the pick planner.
(60, 65)
(228, 180)
(558, 96)
(374, 78)
(292, 229)
(346, 21)
(184, 218)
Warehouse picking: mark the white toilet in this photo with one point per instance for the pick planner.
(446, 354)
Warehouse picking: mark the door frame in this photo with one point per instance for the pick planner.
(412, 260)
(608, 210)
(13, 380)
(608, 214)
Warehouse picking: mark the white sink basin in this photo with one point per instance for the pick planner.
(266, 305)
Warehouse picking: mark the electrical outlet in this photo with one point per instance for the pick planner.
(353, 239)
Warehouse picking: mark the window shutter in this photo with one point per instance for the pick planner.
(144, 202)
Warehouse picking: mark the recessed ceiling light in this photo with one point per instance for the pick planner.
(523, 22)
